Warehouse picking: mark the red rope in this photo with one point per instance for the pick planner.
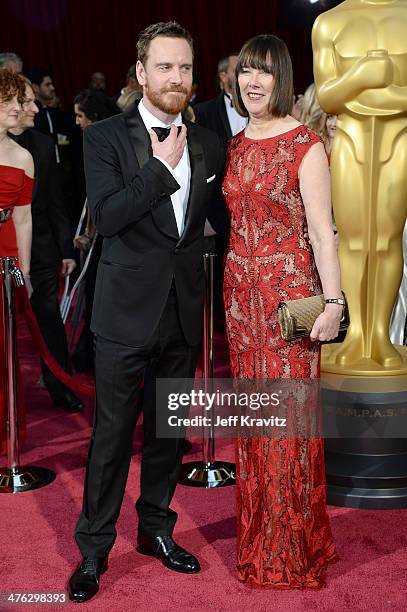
(24, 307)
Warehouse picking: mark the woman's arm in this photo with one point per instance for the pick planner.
(315, 190)
(22, 222)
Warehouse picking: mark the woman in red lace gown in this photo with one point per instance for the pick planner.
(16, 185)
(276, 186)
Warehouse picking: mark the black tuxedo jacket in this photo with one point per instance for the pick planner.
(52, 239)
(212, 114)
(61, 121)
(129, 198)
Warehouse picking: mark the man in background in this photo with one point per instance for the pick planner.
(98, 81)
(219, 113)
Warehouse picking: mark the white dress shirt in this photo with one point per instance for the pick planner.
(51, 131)
(237, 122)
(181, 172)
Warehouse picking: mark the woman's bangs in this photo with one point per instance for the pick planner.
(258, 56)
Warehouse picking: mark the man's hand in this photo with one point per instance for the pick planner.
(172, 148)
(68, 266)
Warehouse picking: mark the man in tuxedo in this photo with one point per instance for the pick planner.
(219, 113)
(149, 195)
(46, 119)
(51, 251)
(50, 120)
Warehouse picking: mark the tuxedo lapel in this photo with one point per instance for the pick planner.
(163, 212)
(138, 135)
(198, 178)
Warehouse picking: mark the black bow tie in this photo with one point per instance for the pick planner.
(163, 132)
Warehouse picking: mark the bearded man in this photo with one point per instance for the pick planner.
(149, 194)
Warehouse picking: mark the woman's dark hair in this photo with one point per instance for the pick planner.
(96, 105)
(268, 53)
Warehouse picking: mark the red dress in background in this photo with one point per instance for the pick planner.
(284, 537)
(15, 190)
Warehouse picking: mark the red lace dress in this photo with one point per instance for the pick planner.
(284, 536)
(15, 190)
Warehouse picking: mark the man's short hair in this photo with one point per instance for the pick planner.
(170, 29)
(9, 56)
(223, 64)
(37, 75)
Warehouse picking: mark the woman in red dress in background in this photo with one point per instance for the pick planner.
(16, 185)
(276, 186)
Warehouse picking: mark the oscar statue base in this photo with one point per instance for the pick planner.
(365, 455)
(24, 478)
(373, 482)
(208, 475)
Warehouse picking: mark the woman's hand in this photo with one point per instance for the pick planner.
(82, 243)
(326, 326)
(28, 286)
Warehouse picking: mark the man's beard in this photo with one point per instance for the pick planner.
(176, 104)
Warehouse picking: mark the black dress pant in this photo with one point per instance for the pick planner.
(44, 302)
(120, 370)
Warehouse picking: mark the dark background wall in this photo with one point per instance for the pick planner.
(73, 38)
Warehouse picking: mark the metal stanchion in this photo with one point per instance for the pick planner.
(208, 472)
(14, 478)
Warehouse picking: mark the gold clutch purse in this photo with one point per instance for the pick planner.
(297, 317)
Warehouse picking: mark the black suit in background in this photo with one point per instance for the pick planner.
(212, 115)
(51, 122)
(51, 242)
(147, 312)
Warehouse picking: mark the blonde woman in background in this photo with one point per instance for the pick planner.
(322, 124)
(316, 119)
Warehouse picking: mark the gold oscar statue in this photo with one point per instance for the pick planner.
(360, 70)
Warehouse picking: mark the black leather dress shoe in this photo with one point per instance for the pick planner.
(84, 582)
(170, 554)
(66, 399)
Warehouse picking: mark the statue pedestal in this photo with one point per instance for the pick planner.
(365, 418)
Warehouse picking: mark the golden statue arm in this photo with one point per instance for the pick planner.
(392, 98)
(372, 71)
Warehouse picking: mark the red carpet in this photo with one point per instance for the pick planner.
(38, 551)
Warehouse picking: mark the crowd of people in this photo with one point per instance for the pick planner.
(163, 168)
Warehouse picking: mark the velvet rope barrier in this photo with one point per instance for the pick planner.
(23, 306)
